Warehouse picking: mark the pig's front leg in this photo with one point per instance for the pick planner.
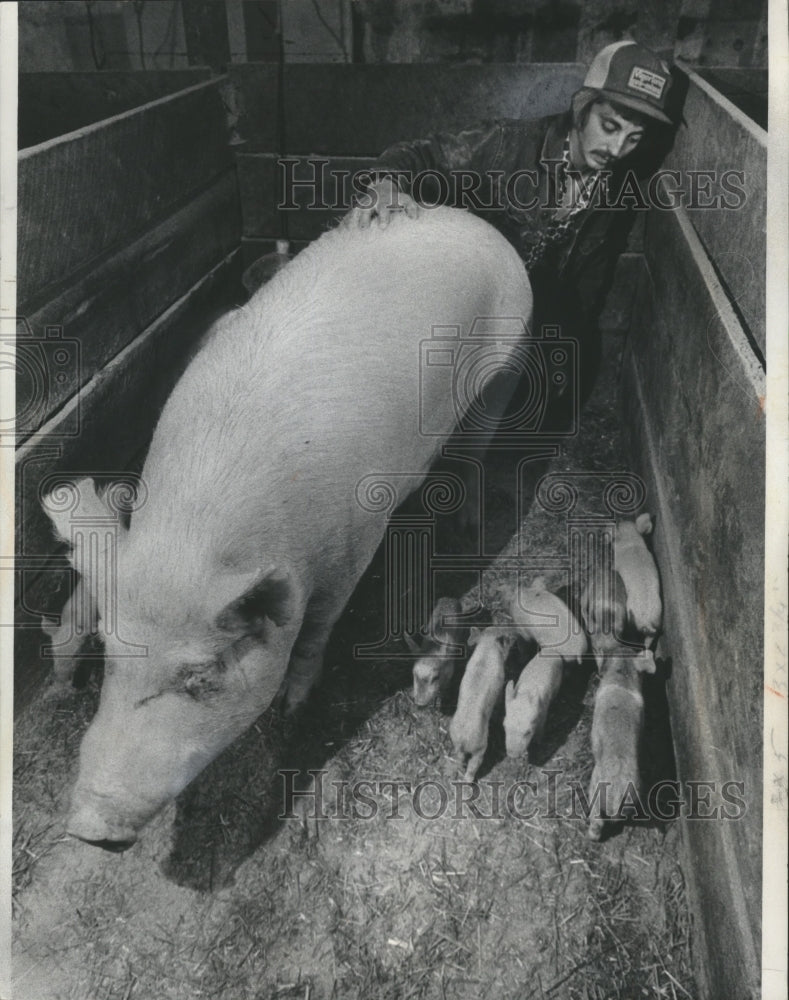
(306, 658)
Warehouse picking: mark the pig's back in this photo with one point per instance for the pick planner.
(316, 381)
(345, 320)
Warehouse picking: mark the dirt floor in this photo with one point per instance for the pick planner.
(412, 889)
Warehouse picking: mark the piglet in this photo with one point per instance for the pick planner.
(604, 611)
(616, 733)
(542, 616)
(434, 669)
(634, 563)
(528, 701)
(481, 686)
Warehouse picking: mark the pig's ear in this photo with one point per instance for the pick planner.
(645, 662)
(84, 509)
(509, 692)
(644, 524)
(505, 638)
(259, 596)
(85, 504)
(445, 607)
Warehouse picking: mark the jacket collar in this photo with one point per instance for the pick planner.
(553, 143)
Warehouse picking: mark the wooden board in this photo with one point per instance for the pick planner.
(692, 395)
(51, 104)
(119, 409)
(719, 137)
(353, 110)
(95, 189)
(118, 297)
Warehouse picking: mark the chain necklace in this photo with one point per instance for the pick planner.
(587, 188)
(558, 229)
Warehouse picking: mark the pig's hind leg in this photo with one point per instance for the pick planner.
(489, 409)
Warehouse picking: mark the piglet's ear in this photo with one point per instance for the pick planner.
(414, 646)
(474, 635)
(509, 692)
(644, 524)
(264, 594)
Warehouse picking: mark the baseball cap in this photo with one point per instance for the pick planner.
(631, 75)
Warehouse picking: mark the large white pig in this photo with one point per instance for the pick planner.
(252, 536)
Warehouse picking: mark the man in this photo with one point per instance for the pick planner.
(555, 187)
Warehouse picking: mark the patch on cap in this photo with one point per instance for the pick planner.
(647, 82)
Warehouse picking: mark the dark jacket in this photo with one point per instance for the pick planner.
(516, 162)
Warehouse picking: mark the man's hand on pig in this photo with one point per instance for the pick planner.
(383, 199)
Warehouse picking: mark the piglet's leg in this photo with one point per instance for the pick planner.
(474, 764)
(77, 620)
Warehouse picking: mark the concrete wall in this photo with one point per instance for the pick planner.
(166, 34)
(107, 35)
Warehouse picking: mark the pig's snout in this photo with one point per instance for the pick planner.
(91, 820)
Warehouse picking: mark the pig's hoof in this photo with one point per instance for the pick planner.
(59, 689)
(294, 703)
(289, 700)
(595, 831)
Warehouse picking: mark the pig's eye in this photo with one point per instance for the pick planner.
(199, 684)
